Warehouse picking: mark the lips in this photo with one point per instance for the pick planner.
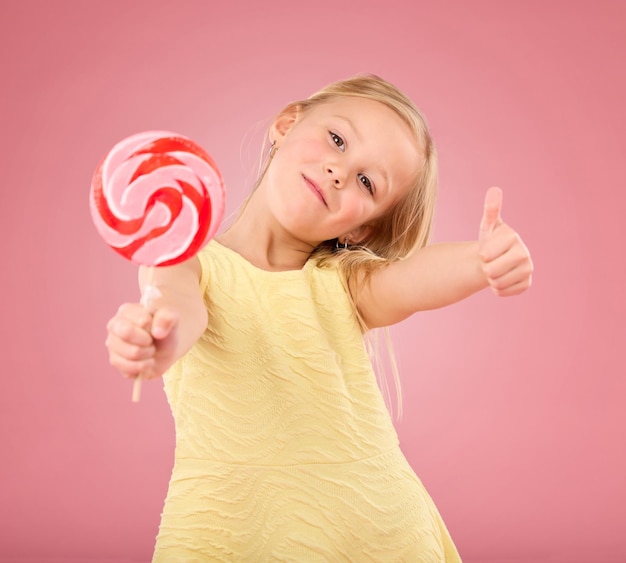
(315, 189)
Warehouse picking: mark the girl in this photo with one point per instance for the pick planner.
(284, 447)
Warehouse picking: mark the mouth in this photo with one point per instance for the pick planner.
(315, 189)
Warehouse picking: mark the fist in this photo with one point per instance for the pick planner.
(141, 343)
(504, 258)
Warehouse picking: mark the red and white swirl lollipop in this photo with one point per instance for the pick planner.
(157, 198)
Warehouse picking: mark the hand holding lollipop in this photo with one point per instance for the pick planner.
(156, 198)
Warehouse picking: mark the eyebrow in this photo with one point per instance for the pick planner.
(378, 169)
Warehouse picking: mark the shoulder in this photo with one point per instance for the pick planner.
(217, 261)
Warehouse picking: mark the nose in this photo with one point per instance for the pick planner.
(335, 177)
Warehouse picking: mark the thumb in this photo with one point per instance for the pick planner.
(163, 322)
(491, 213)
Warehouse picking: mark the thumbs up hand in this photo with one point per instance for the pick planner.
(505, 260)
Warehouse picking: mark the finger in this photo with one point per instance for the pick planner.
(132, 352)
(516, 256)
(491, 212)
(127, 331)
(506, 242)
(520, 274)
(515, 289)
(135, 313)
(131, 369)
(163, 322)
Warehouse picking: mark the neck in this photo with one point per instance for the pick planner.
(262, 242)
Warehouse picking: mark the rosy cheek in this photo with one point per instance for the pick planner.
(355, 211)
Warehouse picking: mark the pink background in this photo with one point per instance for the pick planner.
(515, 416)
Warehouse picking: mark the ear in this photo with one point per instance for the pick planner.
(360, 234)
(284, 122)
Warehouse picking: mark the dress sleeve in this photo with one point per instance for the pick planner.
(204, 257)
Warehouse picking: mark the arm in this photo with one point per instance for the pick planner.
(149, 342)
(442, 274)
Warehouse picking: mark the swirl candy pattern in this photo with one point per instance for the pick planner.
(157, 198)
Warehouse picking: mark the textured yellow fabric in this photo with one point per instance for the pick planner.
(284, 448)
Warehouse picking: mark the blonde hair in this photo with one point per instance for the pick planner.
(405, 228)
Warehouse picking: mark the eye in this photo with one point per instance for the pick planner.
(338, 141)
(366, 183)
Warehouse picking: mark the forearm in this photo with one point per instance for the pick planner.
(177, 290)
(442, 274)
(433, 277)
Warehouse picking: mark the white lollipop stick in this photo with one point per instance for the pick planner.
(150, 291)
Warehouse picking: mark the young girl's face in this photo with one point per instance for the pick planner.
(339, 166)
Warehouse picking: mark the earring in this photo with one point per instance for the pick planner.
(340, 246)
(273, 149)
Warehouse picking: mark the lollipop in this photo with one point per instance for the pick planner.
(156, 198)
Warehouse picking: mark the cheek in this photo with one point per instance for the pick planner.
(306, 147)
(356, 210)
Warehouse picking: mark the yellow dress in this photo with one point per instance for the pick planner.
(284, 447)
